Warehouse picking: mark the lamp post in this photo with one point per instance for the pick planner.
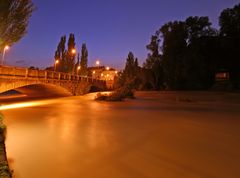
(4, 51)
(55, 64)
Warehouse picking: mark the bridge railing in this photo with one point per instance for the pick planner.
(8, 71)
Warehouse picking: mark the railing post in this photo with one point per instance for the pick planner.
(59, 76)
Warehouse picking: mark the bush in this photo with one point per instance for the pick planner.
(117, 95)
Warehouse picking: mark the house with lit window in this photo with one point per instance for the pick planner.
(103, 73)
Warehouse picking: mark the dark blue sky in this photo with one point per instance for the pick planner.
(111, 28)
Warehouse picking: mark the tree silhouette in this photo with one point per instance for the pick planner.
(14, 19)
(71, 54)
(84, 60)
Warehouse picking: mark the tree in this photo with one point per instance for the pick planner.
(174, 47)
(14, 19)
(70, 54)
(60, 55)
(229, 21)
(198, 27)
(129, 76)
(153, 63)
(84, 60)
(185, 58)
(129, 66)
(200, 34)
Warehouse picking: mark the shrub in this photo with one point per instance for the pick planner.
(117, 95)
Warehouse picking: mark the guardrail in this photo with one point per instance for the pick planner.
(8, 71)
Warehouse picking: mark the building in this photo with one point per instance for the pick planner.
(103, 73)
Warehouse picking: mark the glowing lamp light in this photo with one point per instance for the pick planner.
(6, 47)
(97, 62)
(73, 51)
(107, 68)
(94, 72)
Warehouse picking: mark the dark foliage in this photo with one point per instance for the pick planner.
(14, 19)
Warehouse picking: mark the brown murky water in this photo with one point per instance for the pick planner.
(156, 135)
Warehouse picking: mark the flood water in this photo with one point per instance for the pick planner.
(156, 135)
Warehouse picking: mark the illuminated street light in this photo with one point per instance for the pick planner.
(107, 68)
(4, 51)
(116, 72)
(55, 64)
(94, 72)
(78, 68)
(98, 63)
(73, 51)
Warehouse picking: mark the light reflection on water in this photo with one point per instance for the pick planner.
(26, 104)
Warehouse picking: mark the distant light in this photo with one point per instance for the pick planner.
(79, 67)
(116, 72)
(102, 74)
(94, 72)
(97, 62)
(57, 61)
(107, 68)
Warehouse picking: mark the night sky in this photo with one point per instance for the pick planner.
(110, 28)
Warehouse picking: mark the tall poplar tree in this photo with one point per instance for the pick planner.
(60, 55)
(71, 54)
(84, 60)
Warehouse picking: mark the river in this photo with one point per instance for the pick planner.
(155, 135)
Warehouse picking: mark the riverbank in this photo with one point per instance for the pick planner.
(5, 171)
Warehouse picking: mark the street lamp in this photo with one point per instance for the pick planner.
(73, 51)
(4, 51)
(107, 68)
(98, 63)
(55, 64)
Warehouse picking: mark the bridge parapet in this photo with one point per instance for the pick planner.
(7, 71)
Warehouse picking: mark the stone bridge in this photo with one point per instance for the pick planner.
(15, 77)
